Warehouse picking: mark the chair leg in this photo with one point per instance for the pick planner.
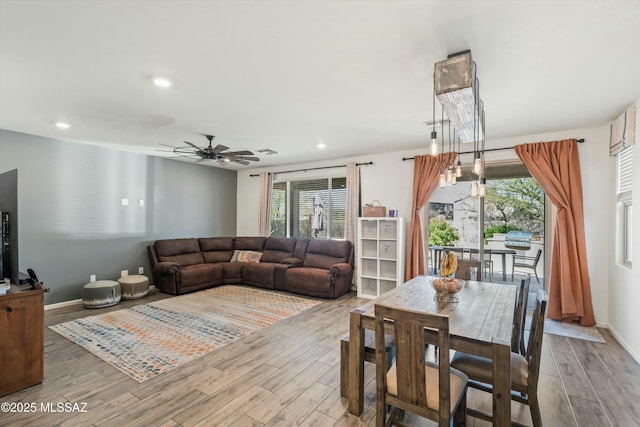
(534, 408)
(344, 368)
(460, 417)
(536, 273)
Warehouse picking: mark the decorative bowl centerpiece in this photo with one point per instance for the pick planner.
(447, 286)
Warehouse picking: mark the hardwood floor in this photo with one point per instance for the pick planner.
(288, 374)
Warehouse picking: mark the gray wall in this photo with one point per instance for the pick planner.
(72, 219)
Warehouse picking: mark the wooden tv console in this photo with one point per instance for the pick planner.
(21, 339)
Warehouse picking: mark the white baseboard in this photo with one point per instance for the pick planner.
(62, 304)
(623, 344)
(72, 302)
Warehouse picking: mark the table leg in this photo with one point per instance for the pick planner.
(504, 267)
(356, 364)
(501, 384)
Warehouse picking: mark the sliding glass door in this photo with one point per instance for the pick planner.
(513, 201)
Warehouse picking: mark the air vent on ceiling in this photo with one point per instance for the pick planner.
(267, 151)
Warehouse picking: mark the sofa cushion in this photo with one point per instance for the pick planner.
(278, 248)
(301, 248)
(232, 272)
(310, 281)
(216, 249)
(183, 252)
(246, 256)
(259, 274)
(249, 243)
(199, 275)
(325, 253)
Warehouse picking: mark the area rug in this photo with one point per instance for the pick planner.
(572, 330)
(569, 330)
(147, 340)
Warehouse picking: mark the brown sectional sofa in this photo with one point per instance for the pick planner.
(320, 268)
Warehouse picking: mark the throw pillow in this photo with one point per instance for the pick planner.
(246, 256)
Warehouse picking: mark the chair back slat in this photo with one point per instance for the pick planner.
(519, 317)
(536, 334)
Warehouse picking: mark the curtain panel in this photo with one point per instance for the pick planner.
(353, 201)
(556, 167)
(426, 176)
(353, 208)
(264, 215)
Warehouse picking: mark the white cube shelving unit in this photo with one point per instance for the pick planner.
(379, 255)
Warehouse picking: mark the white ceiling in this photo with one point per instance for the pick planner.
(285, 75)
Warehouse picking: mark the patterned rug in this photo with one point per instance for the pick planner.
(147, 340)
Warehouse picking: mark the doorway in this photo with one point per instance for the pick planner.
(513, 201)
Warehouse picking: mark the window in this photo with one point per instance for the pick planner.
(309, 208)
(625, 178)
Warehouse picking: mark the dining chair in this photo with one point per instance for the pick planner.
(525, 369)
(464, 269)
(369, 356)
(519, 317)
(529, 262)
(412, 384)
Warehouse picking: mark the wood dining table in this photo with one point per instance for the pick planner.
(480, 323)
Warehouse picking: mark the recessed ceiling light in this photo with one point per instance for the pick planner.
(162, 82)
(321, 145)
(63, 125)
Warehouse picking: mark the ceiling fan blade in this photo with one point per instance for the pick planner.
(250, 158)
(218, 148)
(167, 145)
(193, 145)
(239, 153)
(242, 162)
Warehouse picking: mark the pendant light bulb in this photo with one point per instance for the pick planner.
(459, 169)
(443, 180)
(482, 188)
(475, 190)
(434, 142)
(454, 180)
(477, 166)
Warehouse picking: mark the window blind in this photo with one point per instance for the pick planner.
(625, 170)
(313, 208)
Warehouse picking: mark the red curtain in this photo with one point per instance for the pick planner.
(426, 176)
(556, 166)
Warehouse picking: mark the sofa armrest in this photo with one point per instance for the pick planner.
(341, 278)
(166, 268)
(166, 277)
(341, 269)
(292, 261)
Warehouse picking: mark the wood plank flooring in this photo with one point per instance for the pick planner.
(288, 374)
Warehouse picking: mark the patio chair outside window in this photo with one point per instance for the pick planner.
(528, 262)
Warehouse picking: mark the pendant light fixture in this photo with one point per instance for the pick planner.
(457, 88)
(459, 164)
(434, 134)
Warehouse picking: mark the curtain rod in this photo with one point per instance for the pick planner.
(581, 140)
(313, 169)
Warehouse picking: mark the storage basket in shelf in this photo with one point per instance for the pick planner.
(371, 210)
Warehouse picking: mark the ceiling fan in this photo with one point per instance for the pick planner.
(214, 153)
